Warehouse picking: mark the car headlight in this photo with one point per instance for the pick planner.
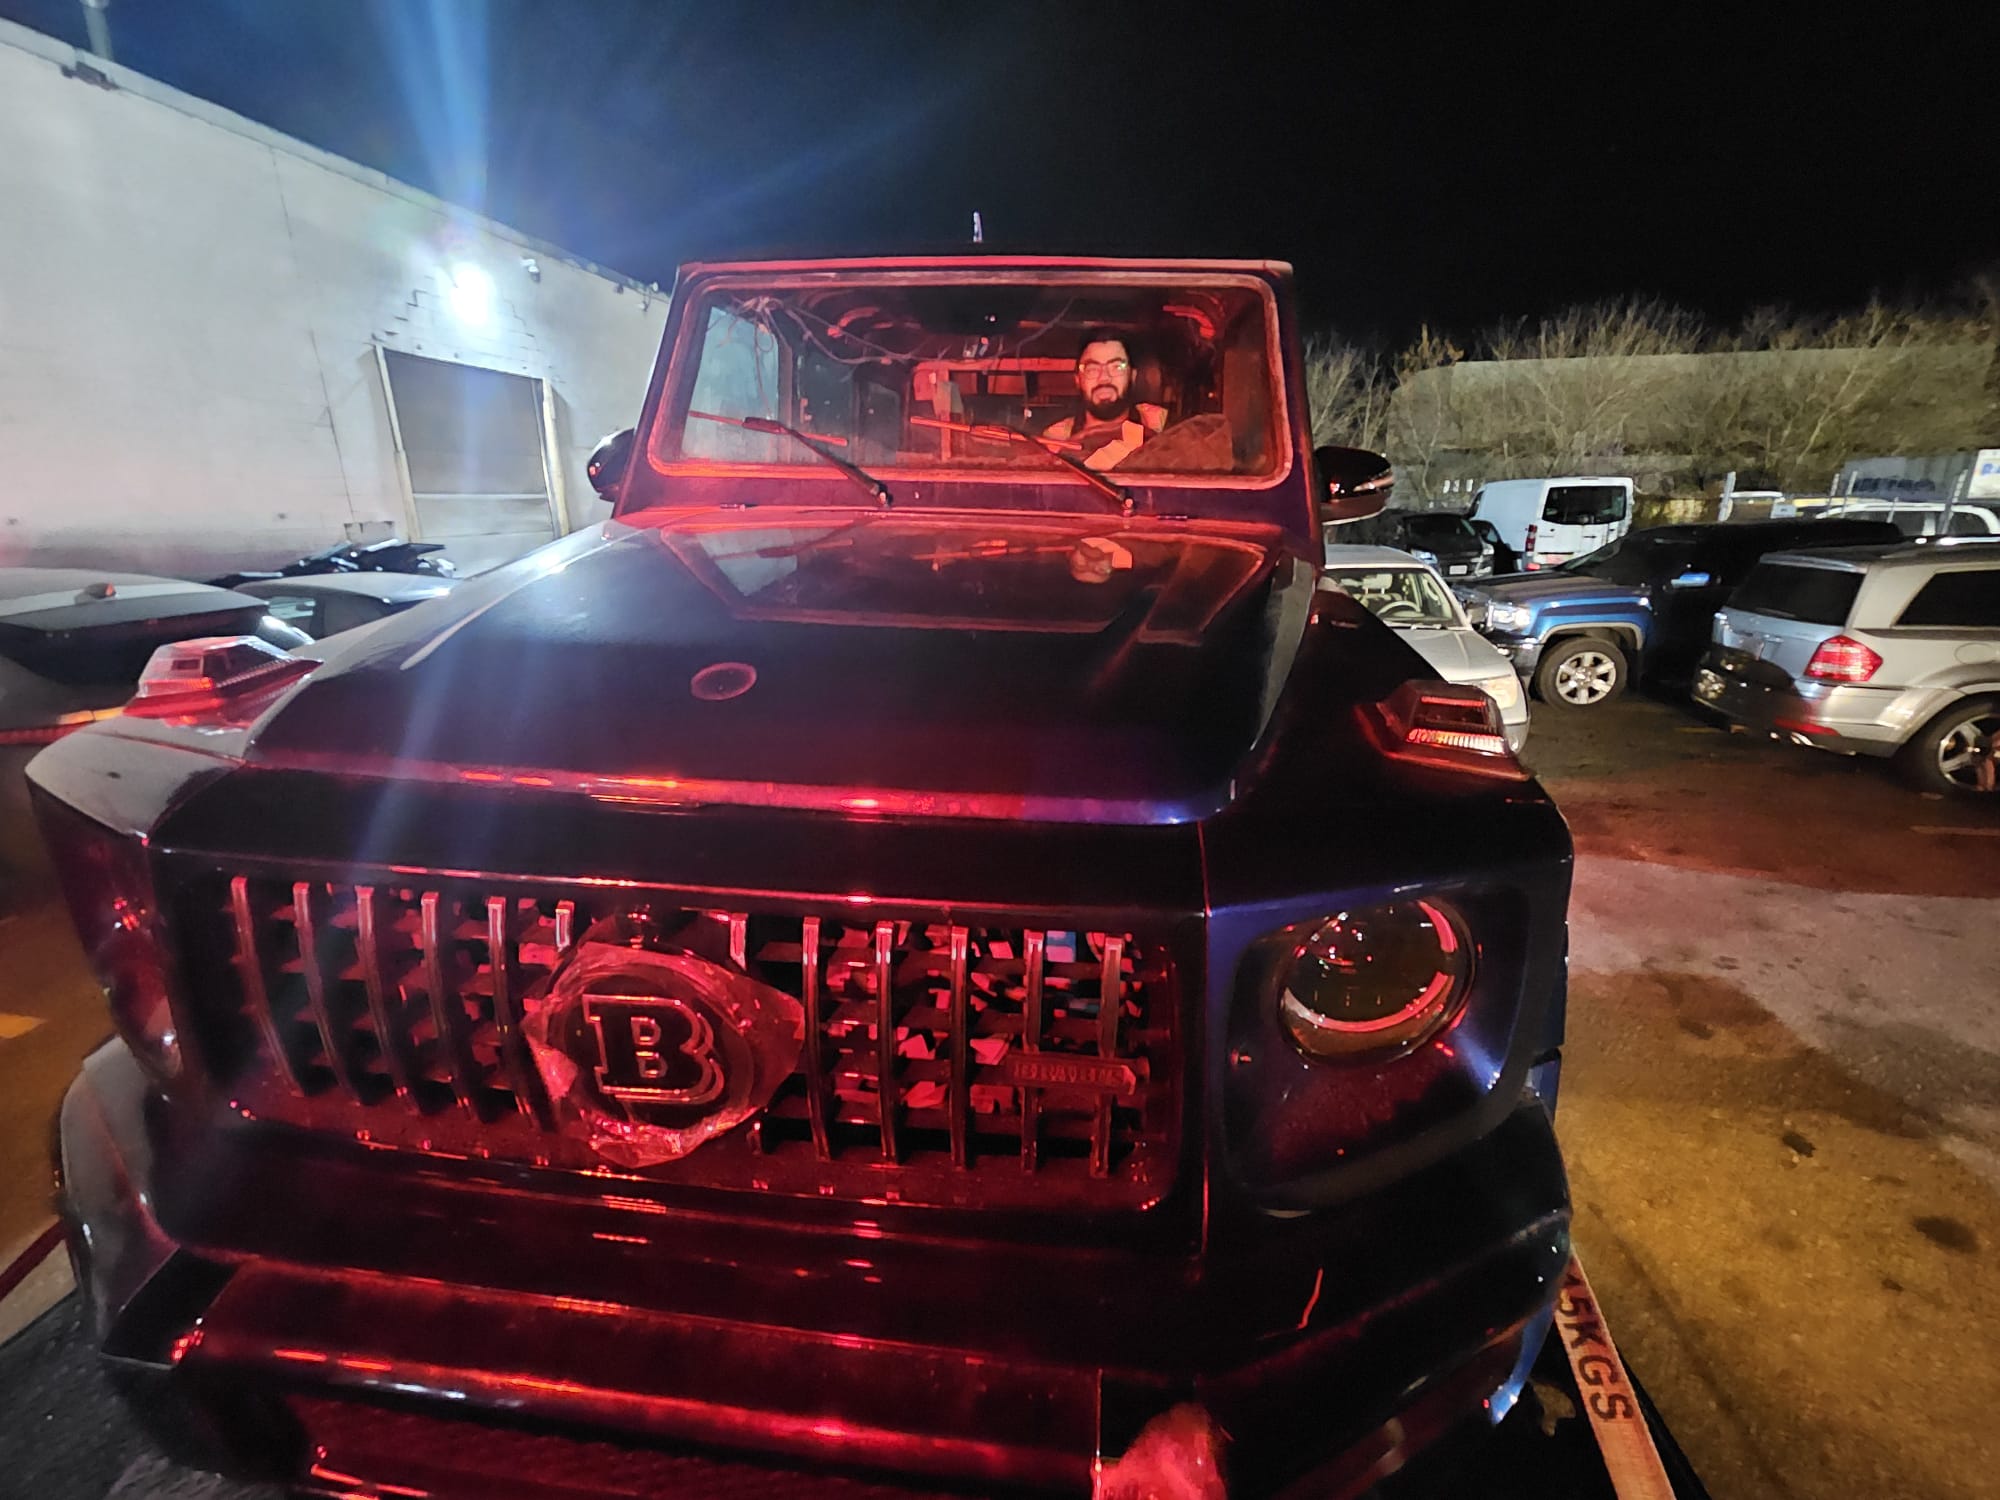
(1509, 616)
(1375, 982)
(1422, 556)
(1504, 690)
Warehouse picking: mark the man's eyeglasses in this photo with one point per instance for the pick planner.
(1104, 366)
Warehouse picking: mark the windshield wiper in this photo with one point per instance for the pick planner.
(875, 487)
(1108, 486)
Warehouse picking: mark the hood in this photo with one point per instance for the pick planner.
(1538, 588)
(1011, 666)
(1457, 655)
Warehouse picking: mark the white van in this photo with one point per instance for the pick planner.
(1548, 521)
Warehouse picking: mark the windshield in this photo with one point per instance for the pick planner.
(1431, 526)
(1636, 557)
(1147, 377)
(1397, 596)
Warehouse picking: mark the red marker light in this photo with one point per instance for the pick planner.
(214, 673)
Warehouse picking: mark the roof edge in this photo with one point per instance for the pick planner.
(143, 86)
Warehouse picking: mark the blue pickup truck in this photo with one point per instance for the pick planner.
(1644, 603)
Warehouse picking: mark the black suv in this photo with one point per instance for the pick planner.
(1443, 538)
(925, 944)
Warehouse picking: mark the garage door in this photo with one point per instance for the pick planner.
(472, 441)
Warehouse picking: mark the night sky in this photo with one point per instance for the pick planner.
(1414, 163)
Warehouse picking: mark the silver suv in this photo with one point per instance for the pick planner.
(1870, 651)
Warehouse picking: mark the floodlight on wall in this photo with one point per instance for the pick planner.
(471, 295)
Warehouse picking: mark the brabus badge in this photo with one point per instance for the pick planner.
(649, 1054)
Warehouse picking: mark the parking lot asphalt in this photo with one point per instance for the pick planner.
(1781, 1100)
(1781, 1105)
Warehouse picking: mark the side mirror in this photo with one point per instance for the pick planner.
(608, 464)
(1353, 483)
(1691, 581)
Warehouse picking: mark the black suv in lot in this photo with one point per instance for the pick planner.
(925, 945)
(1443, 538)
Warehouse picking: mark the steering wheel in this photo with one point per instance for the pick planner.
(1399, 609)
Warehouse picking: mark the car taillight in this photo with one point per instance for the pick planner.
(1448, 726)
(1841, 658)
(1528, 551)
(233, 676)
(109, 890)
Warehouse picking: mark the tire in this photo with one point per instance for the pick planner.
(1583, 671)
(1957, 754)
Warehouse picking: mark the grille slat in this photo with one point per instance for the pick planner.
(930, 1046)
(886, 1099)
(506, 1014)
(309, 910)
(818, 1103)
(397, 1053)
(960, 1081)
(447, 1009)
(1031, 1041)
(256, 993)
(1110, 1003)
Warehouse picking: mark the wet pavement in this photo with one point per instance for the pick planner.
(1781, 1103)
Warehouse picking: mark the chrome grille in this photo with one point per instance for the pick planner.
(936, 1047)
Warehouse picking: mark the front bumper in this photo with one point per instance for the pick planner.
(1524, 651)
(1765, 699)
(1322, 1345)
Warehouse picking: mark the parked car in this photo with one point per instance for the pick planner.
(1406, 594)
(1641, 604)
(1882, 651)
(328, 603)
(72, 644)
(1441, 537)
(1549, 521)
(1506, 559)
(1923, 517)
(898, 950)
(73, 641)
(389, 555)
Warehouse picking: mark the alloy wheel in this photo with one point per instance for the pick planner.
(1586, 678)
(1967, 751)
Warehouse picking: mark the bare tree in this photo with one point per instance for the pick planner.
(1424, 425)
(1585, 387)
(1781, 399)
(1349, 391)
(1802, 395)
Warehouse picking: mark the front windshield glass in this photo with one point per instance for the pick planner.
(1435, 526)
(1397, 596)
(1636, 557)
(1143, 376)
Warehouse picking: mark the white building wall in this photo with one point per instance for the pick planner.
(190, 306)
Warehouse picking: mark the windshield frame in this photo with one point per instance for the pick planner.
(667, 410)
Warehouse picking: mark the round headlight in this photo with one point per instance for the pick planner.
(1377, 981)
